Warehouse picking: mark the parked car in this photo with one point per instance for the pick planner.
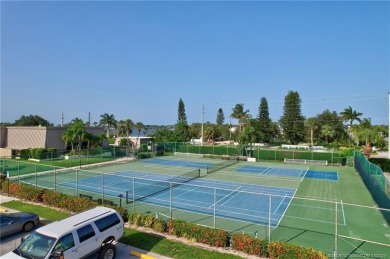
(78, 236)
(16, 222)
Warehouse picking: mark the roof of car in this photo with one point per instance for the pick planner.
(57, 228)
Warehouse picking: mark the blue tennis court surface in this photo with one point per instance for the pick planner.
(322, 175)
(181, 163)
(241, 202)
(262, 170)
(291, 172)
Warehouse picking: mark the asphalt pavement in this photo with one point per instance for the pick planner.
(10, 242)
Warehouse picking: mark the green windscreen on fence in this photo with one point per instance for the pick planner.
(375, 181)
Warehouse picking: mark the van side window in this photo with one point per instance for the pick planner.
(64, 243)
(107, 222)
(85, 233)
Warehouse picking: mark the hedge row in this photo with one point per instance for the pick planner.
(179, 228)
(382, 163)
(221, 238)
(54, 199)
(38, 153)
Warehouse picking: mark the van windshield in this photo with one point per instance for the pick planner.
(35, 246)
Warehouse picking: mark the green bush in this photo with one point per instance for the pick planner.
(52, 153)
(205, 235)
(145, 220)
(144, 155)
(382, 163)
(249, 245)
(40, 153)
(281, 250)
(24, 154)
(54, 199)
(160, 225)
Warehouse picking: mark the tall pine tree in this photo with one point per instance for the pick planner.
(292, 121)
(182, 117)
(181, 128)
(220, 117)
(264, 125)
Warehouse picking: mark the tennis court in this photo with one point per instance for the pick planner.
(289, 172)
(315, 206)
(177, 163)
(242, 202)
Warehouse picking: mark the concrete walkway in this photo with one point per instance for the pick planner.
(123, 250)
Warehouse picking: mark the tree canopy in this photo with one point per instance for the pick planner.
(292, 121)
(32, 120)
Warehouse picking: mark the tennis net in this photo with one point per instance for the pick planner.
(161, 186)
(219, 166)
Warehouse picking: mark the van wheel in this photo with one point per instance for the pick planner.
(28, 226)
(107, 252)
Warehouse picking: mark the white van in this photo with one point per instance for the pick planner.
(78, 236)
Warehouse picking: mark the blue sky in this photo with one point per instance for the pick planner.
(137, 59)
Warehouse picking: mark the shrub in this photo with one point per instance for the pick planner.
(286, 251)
(135, 219)
(144, 155)
(25, 154)
(40, 153)
(205, 235)
(160, 225)
(382, 163)
(52, 152)
(249, 245)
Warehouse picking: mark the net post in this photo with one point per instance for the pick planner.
(36, 175)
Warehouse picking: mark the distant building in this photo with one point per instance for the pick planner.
(136, 141)
(13, 139)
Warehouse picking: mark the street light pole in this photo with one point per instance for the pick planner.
(388, 133)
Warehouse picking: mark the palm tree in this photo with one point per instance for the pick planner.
(139, 126)
(108, 121)
(311, 124)
(241, 115)
(350, 115)
(125, 130)
(365, 132)
(328, 132)
(68, 137)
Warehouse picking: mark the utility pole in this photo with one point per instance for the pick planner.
(202, 112)
(62, 119)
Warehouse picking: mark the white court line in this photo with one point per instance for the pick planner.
(266, 170)
(288, 205)
(280, 204)
(190, 190)
(304, 174)
(212, 205)
(342, 209)
(33, 184)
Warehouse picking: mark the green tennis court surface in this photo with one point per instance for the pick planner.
(330, 206)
